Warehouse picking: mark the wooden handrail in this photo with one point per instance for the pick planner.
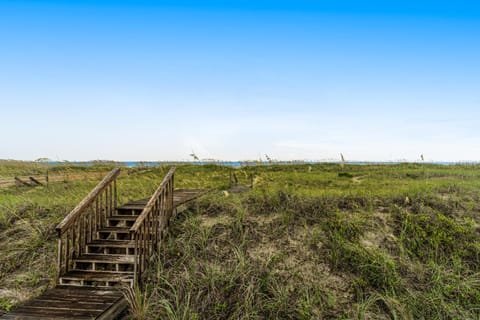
(148, 228)
(152, 201)
(77, 211)
(81, 225)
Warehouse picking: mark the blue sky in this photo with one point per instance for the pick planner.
(232, 80)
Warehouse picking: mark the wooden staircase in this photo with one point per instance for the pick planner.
(102, 246)
(109, 259)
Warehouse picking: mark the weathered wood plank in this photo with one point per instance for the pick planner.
(180, 196)
(112, 243)
(21, 182)
(110, 258)
(98, 276)
(114, 310)
(35, 181)
(65, 302)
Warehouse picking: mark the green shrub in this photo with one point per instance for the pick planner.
(437, 237)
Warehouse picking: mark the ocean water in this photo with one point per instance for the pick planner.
(237, 164)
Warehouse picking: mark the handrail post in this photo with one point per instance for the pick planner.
(135, 265)
(115, 198)
(59, 255)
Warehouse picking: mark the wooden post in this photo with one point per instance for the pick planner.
(35, 181)
(21, 182)
(115, 194)
(135, 264)
(59, 257)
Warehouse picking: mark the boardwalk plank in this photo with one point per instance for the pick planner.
(65, 302)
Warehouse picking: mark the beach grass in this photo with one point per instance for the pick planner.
(318, 241)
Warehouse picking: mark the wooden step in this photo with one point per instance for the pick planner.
(123, 217)
(105, 258)
(121, 220)
(129, 212)
(95, 279)
(134, 206)
(104, 262)
(112, 243)
(111, 247)
(114, 233)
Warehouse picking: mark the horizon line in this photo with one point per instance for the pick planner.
(272, 161)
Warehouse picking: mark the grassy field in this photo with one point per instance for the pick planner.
(308, 242)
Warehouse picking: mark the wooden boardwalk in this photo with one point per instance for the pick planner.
(67, 302)
(180, 198)
(103, 246)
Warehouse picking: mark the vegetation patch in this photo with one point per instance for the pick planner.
(316, 241)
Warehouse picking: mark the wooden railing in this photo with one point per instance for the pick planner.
(80, 226)
(148, 228)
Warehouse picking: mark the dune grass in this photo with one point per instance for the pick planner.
(308, 242)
